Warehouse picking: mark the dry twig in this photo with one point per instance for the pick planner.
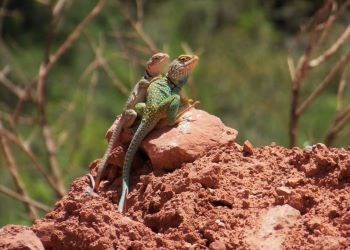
(12, 166)
(24, 199)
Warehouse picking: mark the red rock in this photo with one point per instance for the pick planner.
(198, 132)
(169, 147)
(19, 237)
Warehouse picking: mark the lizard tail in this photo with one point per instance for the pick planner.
(103, 165)
(144, 128)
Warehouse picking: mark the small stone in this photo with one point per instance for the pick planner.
(220, 223)
(248, 148)
(283, 190)
(314, 223)
(217, 245)
(333, 212)
(294, 181)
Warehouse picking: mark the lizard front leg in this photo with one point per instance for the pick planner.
(171, 107)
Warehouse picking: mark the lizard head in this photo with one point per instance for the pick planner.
(156, 64)
(181, 68)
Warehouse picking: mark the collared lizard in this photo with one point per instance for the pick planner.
(162, 102)
(154, 68)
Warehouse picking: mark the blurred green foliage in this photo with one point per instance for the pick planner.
(242, 77)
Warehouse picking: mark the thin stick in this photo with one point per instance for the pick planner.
(10, 85)
(332, 50)
(327, 80)
(336, 128)
(341, 89)
(101, 61)
(12, 166)
(26, 200)
(67, 44)
(291, 67)
(137, 26)
(33, 158)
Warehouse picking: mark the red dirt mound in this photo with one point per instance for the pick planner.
(230, 198)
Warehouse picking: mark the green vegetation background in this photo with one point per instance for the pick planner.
(242, 76)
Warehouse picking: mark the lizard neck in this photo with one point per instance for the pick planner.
(176, 86)
(147, 75)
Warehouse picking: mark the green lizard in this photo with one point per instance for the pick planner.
(154, 68)
(162, 102)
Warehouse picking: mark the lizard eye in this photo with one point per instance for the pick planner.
(183, 58)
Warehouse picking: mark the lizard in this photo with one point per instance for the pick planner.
(162, 103)
(154, 68)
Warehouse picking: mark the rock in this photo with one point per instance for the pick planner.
(19, 237)
(169, 147)
(248, 148)
(274, 227)
(283, 190)
(314, 223)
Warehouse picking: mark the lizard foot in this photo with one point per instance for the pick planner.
(90, 190)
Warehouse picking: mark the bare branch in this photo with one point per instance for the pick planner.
(24, 199)
(67, 44)
(139, 10)
(291, 67)
(327, 80)
(137, 26)
(318, 29)
(12, 166)
(101, 61)
(332, 50)
(341, 89)
(10, 85)
(31, 155)
(336, 127)
(43, 72)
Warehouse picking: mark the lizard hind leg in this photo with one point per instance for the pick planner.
(130, 116)
(140, 108)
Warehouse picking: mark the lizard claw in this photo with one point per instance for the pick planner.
(90, 190)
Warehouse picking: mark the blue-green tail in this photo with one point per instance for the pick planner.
(141, 132)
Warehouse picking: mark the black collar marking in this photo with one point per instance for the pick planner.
(173, 86)
(147, 75)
